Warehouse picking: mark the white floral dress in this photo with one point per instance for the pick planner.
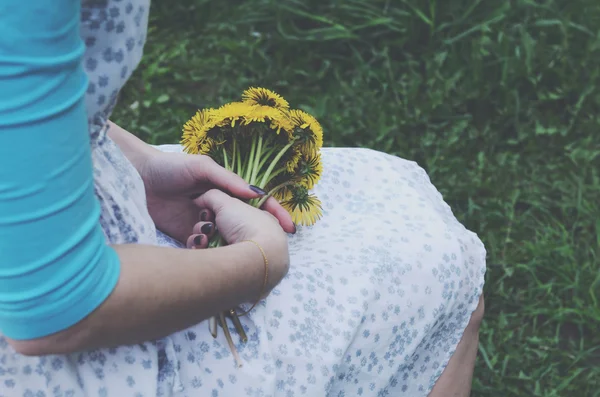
(376, 300)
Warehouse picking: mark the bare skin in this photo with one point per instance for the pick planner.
(164, 290)
(457, 378)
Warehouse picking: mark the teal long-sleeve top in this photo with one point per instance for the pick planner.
(55, 265)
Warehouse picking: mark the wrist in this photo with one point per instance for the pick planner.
(138, 152)
(248, 267)
(277, 255)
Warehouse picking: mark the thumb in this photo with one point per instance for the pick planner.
(214, 200)
(207, 170)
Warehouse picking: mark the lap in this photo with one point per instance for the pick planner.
(377, 298)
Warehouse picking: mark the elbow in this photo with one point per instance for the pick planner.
(68, 341)
(51, 311)
(31, 348)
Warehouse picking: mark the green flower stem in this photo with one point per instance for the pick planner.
(225, 160)
(262, 154)
(217, 241)
(261, 201)
(265, 157)
(270, 178)
(239, 162)
(248, 172)
(274, 163)
(257, 158)
(273, 191)
(274, 174)
(281, 185)
(233, 156)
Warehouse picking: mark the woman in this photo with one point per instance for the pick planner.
(381, 297)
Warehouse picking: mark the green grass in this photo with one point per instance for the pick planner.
(498, 100)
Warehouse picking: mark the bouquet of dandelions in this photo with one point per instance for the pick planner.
(272, 147)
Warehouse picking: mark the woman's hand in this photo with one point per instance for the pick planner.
(174, 180)
(236, 222)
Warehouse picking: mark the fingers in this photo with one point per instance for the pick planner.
(214, 200)
(197, 241)
(206, 169)
(201, 232)
(206, 228)
(207, 216)
(284, 217)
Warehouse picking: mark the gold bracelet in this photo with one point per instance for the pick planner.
(264, 287)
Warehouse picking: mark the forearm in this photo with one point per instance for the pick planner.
(160, 291)
(136, 150)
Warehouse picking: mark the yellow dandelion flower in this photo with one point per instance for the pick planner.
(197, 125)
(291, 159)
(190, 144)
(199, 145)
(274, 118)
(195, 131)
(260, 113)
(207, 146)
(281, 186)
(309, 169)
(307, 131)
(265, 97)
(229, 114)
(305, 208)
(282, 194)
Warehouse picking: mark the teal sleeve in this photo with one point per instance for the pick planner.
(55, 266)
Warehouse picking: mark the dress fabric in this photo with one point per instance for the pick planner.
(377, 298)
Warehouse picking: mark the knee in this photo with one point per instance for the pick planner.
(477, 316)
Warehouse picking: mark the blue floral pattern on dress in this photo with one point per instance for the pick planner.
(377, 298)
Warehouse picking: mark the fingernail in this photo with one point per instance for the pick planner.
(207, 228)
(257, 190)
(203, 216)
(295, 230)
(198, 240)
